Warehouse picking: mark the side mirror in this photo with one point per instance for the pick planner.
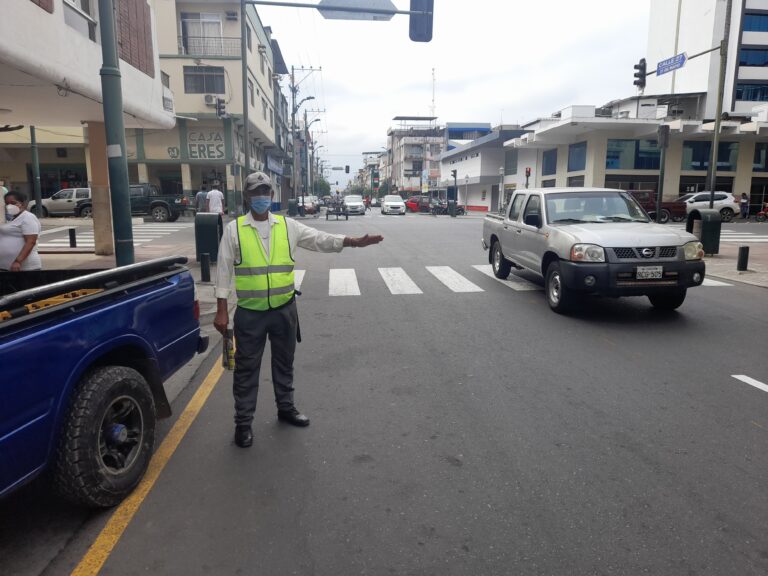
(533, 220)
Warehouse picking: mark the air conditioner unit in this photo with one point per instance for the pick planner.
(231, 15)
(210, 99)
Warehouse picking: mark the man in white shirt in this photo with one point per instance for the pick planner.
(256, 251)
(215, 201)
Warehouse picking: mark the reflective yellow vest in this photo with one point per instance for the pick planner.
(262, 284)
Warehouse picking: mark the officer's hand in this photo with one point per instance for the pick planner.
(367, 240)
(221, 321)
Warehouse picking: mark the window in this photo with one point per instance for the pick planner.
(137, 191)
(510, 162)
(517, 204)
(576, 181)
(262, 59)
(264, 108)
(756, 22)
(82, 193)
(77, 15)
(271, 118)
(533, 207)
(696, 155)
(632, 155)
(201, 34)
(753, 57)
(752, 92)
(269, 70)
(548, 183)
(549, 163)
(250, 93)
(761, 157)
(248, 38)
(577, 157)
(203, 79)
(166, 80)
(63, 195)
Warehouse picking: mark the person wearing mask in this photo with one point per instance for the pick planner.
(200, 199)
(215, 201)
(744, 206)
(18, 235)
(257, 251)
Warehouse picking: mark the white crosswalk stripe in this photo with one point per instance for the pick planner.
(142, 235)
(710, 282)
(512, 281)
(398, 281)
(343, 282)
(453, 280)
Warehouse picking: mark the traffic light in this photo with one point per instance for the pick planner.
(453, 174)
(221, 109)
(527, 172)
(346, 168)
(640, 72)
(420, 25)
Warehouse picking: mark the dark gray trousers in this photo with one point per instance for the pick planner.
(251, 331)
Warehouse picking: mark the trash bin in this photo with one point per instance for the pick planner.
(292, 207)
(209, 229)
(705, 224)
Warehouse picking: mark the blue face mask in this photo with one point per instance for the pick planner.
(261, 204)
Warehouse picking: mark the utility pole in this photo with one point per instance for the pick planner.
(719, 112)
(294, 89)
(246, 101)
(36, 173)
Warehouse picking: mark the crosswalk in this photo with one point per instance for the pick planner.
(737, 236)
(142, 234)
(344, 281)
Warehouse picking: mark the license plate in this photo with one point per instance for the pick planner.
(649, 272)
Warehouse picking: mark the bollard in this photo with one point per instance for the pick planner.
(205, 267)
(72, 238)
(743, 261)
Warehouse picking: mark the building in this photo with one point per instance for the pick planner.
(414, 150)
(200, 60)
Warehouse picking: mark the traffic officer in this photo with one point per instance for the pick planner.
(257, 249)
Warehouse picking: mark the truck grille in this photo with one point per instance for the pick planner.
(651, 253)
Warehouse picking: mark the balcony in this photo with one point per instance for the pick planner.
(209, 46)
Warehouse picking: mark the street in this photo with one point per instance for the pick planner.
(458, 427)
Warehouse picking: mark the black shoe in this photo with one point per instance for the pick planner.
(293, 416)
(243, 435)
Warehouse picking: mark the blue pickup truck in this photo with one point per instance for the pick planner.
(83, 358)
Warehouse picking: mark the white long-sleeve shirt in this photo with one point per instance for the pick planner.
(299, 236)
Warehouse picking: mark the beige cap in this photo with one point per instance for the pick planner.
(257, 179)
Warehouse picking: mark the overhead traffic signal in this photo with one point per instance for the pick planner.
(453, 174)
(420, 25)
(640, 72)
(346, 168)
(221, 108)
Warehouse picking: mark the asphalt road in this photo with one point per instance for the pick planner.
(459, 433)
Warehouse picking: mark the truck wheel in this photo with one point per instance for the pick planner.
(86, 212)
(501, 266)
(559, 297)
(173, 218)
(668, 300)
(159, 213)
(107, 438)
(43, 212)
(664, 217)
(726, 214)
(678, 218)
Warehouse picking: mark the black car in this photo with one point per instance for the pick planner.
(146, 199)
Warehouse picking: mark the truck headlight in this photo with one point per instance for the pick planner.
(587, 253)
(694, 250)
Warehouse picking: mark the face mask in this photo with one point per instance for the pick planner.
(261, 204)
(11, 210)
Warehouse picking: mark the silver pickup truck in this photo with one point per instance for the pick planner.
(592, 240)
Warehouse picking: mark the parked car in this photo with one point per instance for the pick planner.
(393, 205)
(146, 199)
(83, 376)
(63, 202)
(670, 209)
(354, 204)
(418, 203)
(310, 203)
(376, 201)
(592, 241)
(725, 202)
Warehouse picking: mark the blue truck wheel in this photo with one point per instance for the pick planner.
(107, 437)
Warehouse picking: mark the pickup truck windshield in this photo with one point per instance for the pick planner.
(575, 207)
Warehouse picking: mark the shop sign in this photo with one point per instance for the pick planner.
(206, 145)
(275, 166)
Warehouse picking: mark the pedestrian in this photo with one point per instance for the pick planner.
(200, 199)
(18, 236)
(258, 249)
(214, 201)
(367, 203)
(744, 206)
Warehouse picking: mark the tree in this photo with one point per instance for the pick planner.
(322, 187)
(384, 188)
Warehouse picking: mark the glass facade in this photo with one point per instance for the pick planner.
(549, 162)
(753, 57)
(755, 22)
(760, 163)
(577, 157)
(632, 155)
(696, 155)
(510, 162)
(752, 92)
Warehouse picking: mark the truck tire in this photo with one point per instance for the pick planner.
(726, 214)
(678, 218)
(664, 216)
(173, 218)
(86, 212)
(43, 212)
(501, 266)
(107, 438)
(559, 297)
(159, 213)
(668, 300)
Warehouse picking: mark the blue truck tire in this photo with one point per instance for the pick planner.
(106, 439)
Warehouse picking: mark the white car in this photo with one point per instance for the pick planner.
(725, 202)
(393, 205)
(63, 202)
(355, 204)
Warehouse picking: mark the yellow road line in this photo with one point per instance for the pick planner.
(102, 547)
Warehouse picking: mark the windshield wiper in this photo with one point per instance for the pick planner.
(568, 220)
(621, 219)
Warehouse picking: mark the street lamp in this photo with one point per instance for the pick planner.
(466, 191)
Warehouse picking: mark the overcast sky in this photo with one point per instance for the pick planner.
(494, 60)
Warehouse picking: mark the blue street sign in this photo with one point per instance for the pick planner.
(670, 64)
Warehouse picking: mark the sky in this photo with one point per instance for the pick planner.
(494, 61)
